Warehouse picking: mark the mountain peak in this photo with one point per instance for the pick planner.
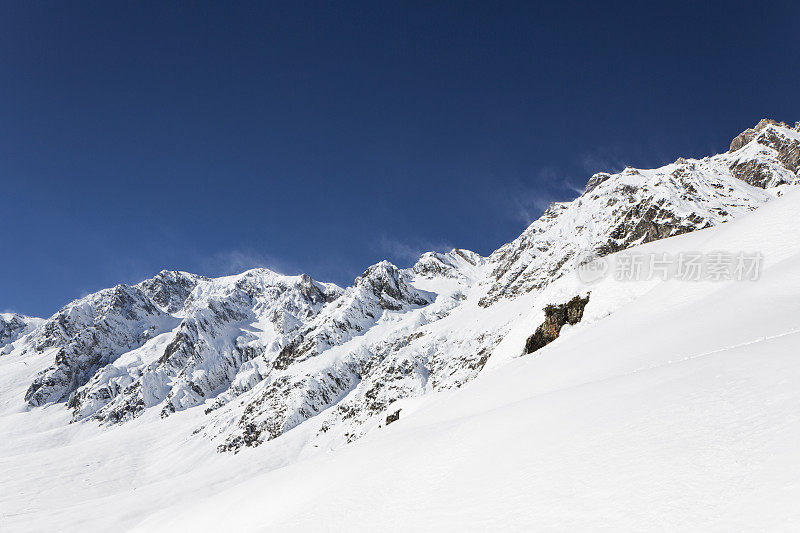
(637, 206)
(389, 285)
(749, 134)
(453, 264)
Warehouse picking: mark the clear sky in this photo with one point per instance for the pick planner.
(322, 137)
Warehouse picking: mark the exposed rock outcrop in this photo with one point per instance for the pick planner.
(556, 317)
(169, 289)
(761, 150)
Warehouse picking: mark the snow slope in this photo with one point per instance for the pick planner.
(673, 405)
(114, 408)
(680, 411)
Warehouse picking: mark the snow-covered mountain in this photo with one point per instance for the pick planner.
(231, 363)
(13, 326)
(672, 406)
(261, 353)
(617, 211)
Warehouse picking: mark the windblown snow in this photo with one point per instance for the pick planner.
(193, 403)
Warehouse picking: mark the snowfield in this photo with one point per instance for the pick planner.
(679, 411)
(673, 405)
(265, 402)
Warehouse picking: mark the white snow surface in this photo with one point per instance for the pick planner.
(671, 405)
(678, 411)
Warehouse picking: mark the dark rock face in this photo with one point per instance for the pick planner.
(387, 283)
(169, 289)
(749, 134)
(752, 172)
(647, 221)
(556, 316)
(394, 417)
(766, 134)
(596, 180)
(788, 150)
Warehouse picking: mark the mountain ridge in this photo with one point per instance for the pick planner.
(262, 353)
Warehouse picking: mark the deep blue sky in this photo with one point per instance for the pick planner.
(321, 137)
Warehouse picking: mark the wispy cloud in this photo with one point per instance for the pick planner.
(525, 201)
(615, 157)
(333, 269)
(602, 161)
(229, 262)
(406, 253)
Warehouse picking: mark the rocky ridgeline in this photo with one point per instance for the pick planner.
(617, 211)
(260, 353)
(89, 334)
(226, 324)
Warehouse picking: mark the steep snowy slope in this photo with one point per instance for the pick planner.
(678, 411)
